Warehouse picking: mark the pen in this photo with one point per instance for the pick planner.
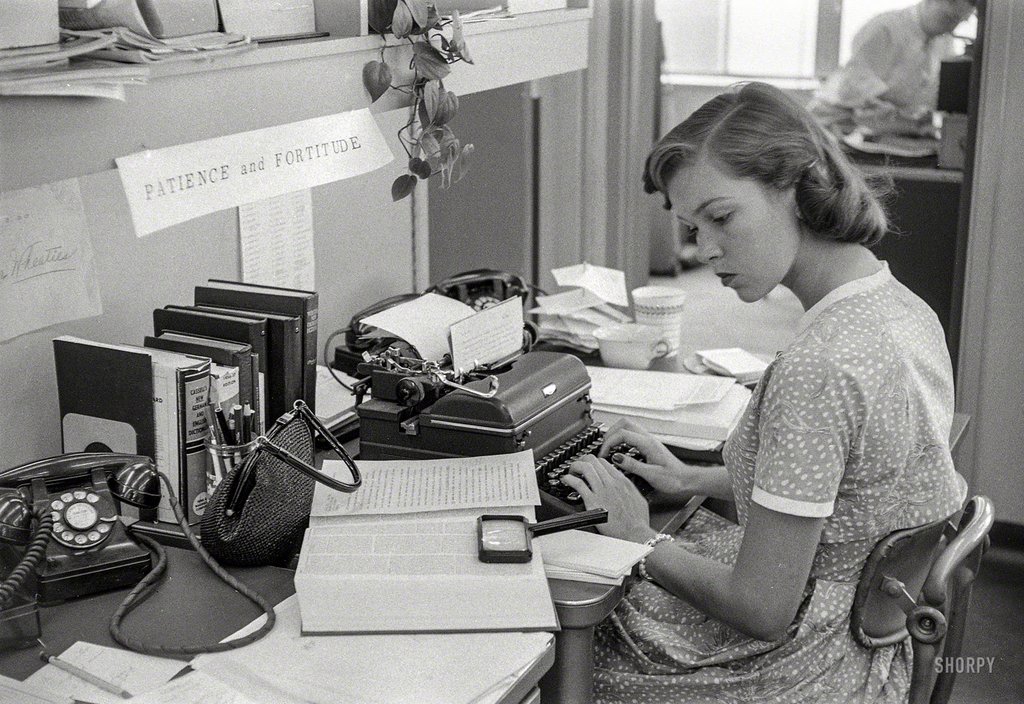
(236, 416)
(84, 676)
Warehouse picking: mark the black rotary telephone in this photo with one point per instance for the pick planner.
(77, 498)
(482, 288)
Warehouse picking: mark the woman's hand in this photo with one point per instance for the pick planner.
(662, 470)
(602, 486)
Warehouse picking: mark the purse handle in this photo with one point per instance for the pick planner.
(302, 410)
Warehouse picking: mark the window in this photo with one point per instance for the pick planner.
(792, 39)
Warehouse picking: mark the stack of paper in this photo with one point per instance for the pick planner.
(734, 362)
(401, 554)
(335, 405)
(589, 557)
(569, 318)
(667, 403)
(131, 46)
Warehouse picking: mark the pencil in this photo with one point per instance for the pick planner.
(84, 675)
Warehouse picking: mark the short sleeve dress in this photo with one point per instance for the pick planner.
(851, 422)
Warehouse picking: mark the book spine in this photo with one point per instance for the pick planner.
(309, 351)
(194, 394)
(165, 416)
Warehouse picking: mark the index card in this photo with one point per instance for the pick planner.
(47, 275)
(655, 390)
(423, 322)
(492, 334)
(408, 486)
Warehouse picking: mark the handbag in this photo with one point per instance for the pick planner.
(259, 511)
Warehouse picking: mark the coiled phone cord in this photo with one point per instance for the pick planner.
(145, 588)
(33, 554)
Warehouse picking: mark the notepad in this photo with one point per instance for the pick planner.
(734, 362)
(654, 390)
(708, 421)
(582, 552)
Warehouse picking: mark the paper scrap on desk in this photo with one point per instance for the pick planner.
(132, 672)
(193, 688)
(570, 301)
(421, 668)
(276, 237)
(408, 486)
(15, 692)
(47, 273)
(735, 362)
(655, 390)
(492, 334)
(423, 322)
(174, 184)
(608, 284)
(590, 552)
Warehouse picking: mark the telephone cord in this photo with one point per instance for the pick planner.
(145, 588)
(33, 554)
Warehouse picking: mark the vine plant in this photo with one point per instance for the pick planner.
(428, 140)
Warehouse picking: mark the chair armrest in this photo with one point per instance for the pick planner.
(974, 527)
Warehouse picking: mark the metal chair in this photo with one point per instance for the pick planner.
(918, 582)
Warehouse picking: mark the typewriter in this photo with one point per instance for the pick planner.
(539, 401)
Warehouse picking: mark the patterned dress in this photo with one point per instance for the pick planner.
(851, 423)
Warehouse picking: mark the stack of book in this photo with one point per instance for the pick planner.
(581, 556)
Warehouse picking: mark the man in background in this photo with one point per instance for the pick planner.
(890, 83)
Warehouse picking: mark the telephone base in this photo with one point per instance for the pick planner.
(19, 624)
(121, 564)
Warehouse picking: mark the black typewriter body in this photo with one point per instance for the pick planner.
(542, 403)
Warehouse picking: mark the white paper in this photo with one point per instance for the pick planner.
(333, 402)
(422, 668)
(423, 322)
(734, 361)
(582, 551)
(567, 301)
(133, 672)
(174, 184)
(408, 486)
(47, 275)
(15, 692)
(277, 241)
(193, 688)
(608, 284)
(492, 334)
(655, 390)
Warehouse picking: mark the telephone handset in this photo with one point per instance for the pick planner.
(82, 493)
(482, 288)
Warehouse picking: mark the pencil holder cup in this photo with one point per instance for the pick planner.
(223, 460)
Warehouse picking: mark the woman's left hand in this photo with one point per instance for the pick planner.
(603, 486)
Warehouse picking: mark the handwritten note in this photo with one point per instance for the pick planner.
(406, 486)
(277, 240)
(47, 274)
(492, 334)
(174, 184)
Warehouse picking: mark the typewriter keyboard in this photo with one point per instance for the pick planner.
(554, 465)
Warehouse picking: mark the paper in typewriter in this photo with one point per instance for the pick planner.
(408, 486)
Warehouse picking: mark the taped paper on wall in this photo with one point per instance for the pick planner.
(174, 184)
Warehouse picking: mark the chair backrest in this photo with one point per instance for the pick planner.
(918, 582)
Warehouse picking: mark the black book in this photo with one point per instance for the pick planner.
(284, 355)
(224, 327)
(225, 353)
(272, 299)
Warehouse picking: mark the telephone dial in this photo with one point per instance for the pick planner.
(78, 498)
(482, 288)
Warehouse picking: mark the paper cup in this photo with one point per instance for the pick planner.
(661, 307)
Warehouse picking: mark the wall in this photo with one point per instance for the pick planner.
(991, 368)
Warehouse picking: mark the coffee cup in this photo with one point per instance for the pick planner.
(661, 307)
(629, 345)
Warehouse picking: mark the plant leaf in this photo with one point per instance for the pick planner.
(446, 108)
(379, 14)
(458, 38)
(431, 98)
(420, 168)
(402, 186)
(429, 144)
(429, 62)
(461, 165)
(418, 10)
(376, 78)
(401, 22)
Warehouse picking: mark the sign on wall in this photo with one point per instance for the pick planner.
(174, 184)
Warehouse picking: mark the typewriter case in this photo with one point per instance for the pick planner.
(541, 400)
